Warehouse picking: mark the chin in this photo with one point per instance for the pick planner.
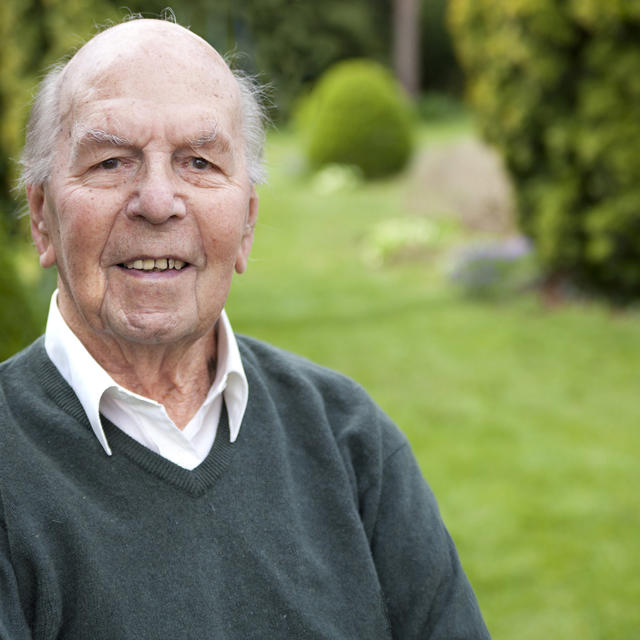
(153, 330)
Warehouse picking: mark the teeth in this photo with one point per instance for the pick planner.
(161, 264)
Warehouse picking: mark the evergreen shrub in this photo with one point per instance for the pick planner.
(357, 115)
(18, 325)
(556, 87)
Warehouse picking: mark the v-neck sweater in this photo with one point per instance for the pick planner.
(315, 523)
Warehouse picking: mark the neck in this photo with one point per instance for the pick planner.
(178, 376)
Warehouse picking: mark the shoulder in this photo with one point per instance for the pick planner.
(30, 383)
(20, 392)
(287, 368)
(17, 372)
(297, 384)
(291, 375)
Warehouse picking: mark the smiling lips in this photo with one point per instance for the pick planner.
(159, 264)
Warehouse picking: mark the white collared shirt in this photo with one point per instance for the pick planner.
(141, 418)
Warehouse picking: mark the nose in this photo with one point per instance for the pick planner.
(156, 197)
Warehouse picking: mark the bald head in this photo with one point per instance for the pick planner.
(136, 36)
(140, 35)
(122, 57)
(140, 57)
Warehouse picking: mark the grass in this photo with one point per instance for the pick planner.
(523, 419)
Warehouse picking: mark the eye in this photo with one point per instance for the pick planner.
(200, 163)
(110, 163)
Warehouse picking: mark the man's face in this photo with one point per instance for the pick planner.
(149, 209)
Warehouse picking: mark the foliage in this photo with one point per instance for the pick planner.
(357, 115)
(556, 86)
(439, 67)
(294, 52)
(18, 325)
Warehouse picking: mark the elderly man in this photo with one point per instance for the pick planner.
(161, 477)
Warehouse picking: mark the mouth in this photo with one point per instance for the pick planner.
(155, 264)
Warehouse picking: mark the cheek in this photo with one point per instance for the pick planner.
(223, 228)
(84, 229)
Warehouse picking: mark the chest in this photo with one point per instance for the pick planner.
(271, 552)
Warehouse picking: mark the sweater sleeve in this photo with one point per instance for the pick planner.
(426, 591)
(12, 621)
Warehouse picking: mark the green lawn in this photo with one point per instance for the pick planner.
(525, 420)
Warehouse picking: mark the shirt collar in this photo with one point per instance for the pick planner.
(230, 377)
(89, 380)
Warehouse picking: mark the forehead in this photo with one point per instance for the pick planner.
(160, 64)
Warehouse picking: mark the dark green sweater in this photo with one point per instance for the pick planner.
(315, 523)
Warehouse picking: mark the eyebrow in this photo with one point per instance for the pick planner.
(211, 137)
(103, 137)
(86, 137)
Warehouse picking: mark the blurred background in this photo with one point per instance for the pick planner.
(452, 218)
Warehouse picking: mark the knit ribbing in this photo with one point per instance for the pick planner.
(195, 481)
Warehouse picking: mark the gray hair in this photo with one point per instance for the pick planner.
(38, 155)
(253, 118)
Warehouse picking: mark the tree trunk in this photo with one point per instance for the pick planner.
(406, 44)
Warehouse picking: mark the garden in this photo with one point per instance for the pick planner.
(479, 277)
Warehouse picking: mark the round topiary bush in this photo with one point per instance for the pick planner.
(357, 115)
(556, 86)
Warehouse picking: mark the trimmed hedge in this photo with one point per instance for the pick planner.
(357, 115)
(556, 86)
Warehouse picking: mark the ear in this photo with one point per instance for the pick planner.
(247, 238)
(39, 226)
